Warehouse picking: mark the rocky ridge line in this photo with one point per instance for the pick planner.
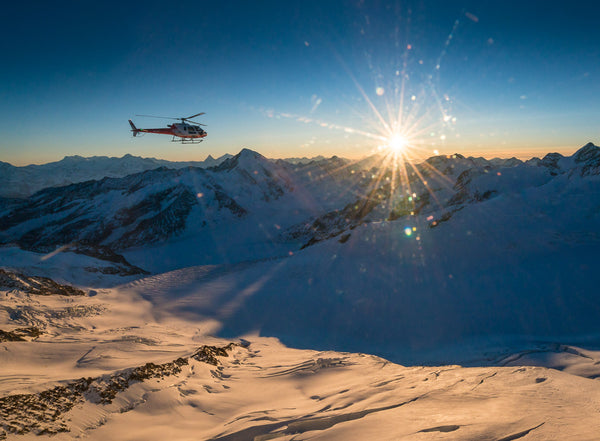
(37, 285)
(41, 413)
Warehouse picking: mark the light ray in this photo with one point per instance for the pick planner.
(404, 122)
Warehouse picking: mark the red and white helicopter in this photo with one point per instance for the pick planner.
(182, 132)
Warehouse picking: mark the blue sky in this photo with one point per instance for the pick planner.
(299, 78)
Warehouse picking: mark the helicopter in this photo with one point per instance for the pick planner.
(182, 132)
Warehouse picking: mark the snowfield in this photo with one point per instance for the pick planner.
(261, 389)
(264, 299)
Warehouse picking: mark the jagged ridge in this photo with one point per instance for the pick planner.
(42, 412)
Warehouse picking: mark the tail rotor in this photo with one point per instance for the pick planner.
(134, 129)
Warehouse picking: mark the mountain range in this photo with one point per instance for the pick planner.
(20, 182)
(382, 258)
(327, 196)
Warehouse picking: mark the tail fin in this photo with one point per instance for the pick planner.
(134, 129)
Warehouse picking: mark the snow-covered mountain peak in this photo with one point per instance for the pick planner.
(250, 164)
(587, 152)
(251, 168)
(72, 158)
(585, 161)
(444, 159)
(452, 165)
(551, 157)
(246, 159)
(248, 152)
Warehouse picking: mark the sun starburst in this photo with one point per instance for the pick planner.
(397, 143)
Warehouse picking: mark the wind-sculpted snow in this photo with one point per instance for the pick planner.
(263, 390)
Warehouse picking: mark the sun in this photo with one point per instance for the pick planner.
(397, 143)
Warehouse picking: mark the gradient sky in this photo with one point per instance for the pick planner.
(299, 78)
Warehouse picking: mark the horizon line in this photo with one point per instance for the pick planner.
(520, 154)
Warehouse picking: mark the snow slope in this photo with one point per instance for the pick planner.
(514, 269)
(104, 367)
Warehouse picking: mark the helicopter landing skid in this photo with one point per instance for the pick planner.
(186, 141)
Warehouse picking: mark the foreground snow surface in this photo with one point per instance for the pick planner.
(260, 389)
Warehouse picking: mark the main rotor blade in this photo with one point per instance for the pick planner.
(193, 116)
(160, 117)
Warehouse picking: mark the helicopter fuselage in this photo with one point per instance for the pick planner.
(187, 131)
(181, 130)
